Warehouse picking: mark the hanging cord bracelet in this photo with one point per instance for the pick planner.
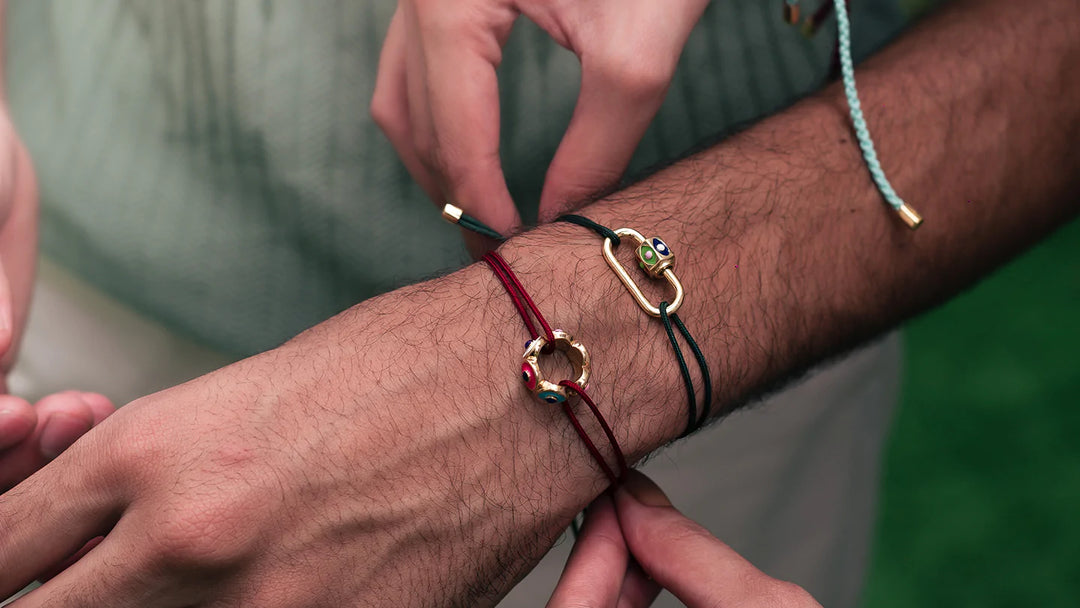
(656, 260)
(546, 341)
(858, 120)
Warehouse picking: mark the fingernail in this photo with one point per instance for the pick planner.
(642, 489)
(59, 432)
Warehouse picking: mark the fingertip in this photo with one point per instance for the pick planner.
(569, 189)
(597, 564)
(639, 590)
(498, 210)
(680, 554)
(64, 418)
(69, 403)
(638, 487)
(101, 407)
(17, 420)
(642, 507)
(59, 432)
(601, 521)
(478, 245)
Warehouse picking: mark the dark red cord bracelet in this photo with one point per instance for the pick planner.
(557, 393)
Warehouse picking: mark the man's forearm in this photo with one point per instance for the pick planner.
(393, 450)
(787, 253)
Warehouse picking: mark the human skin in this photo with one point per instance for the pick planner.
(436, 96)
(391, 455)
(30, 435)
(634, 542)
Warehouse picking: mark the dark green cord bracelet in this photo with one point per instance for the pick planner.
(656, 260)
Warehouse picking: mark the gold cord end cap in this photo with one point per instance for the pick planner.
(910, 216)
(451, 213)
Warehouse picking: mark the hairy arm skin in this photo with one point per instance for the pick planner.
(787, 250)
(391, 455)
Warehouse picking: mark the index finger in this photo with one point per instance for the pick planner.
(687, 560)
(454, 108)
(17, 421)
(597, 565)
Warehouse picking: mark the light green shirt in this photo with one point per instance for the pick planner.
(213, 162)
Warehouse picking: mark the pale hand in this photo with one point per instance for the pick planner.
(436, 95)
(30, 435)
(348, 467)
(635, 543)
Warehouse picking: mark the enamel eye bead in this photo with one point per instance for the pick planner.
(654, 257)
(529, 375)
(546, 391)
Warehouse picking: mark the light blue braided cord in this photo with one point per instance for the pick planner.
(862, 132)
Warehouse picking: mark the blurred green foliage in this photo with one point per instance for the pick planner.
(981, 486)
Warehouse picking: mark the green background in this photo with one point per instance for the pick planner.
(980, 500)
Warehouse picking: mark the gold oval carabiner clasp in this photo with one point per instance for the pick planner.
(655, 259)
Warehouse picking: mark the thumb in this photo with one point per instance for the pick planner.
(686, 559)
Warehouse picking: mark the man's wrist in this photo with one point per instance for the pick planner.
(635, 378)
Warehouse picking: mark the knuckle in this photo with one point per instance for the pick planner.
(124, 445)
(206, 536)
(646, 81)
(427, 150)
(639, 78)
(382, 111)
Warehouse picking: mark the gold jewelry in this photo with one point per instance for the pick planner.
(546, 391)
(656, 259)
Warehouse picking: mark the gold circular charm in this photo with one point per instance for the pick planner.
(546, 391)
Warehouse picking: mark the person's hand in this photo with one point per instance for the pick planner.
(18, 241)
(29, 435)
(369, 461)
(636, 544)
(33, 435)
(436, 95)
